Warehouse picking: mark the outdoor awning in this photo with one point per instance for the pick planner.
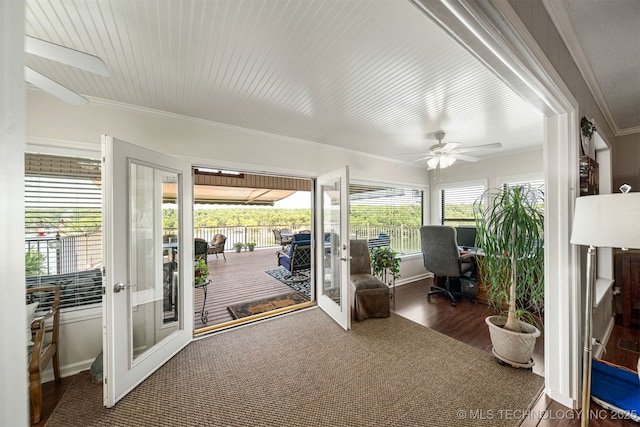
(240, 189)
(239, 195)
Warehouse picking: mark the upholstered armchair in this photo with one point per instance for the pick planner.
(370, 294)
(217, 245)
(44, 329)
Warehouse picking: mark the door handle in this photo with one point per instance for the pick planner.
(121, 287)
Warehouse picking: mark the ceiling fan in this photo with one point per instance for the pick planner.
(63, 55)
(442, 155)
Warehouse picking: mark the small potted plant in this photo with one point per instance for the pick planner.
(238, 246)
(201, 272)
(251, 246)
(385, 264)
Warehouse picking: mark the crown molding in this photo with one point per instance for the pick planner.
(560, 16)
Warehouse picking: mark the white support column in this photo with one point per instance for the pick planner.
(563, 294)
(14, 399)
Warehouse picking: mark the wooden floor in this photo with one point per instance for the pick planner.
(242, 277)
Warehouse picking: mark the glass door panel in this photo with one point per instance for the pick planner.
(332, 266)
(148, 298)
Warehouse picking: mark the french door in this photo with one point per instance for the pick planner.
(148, 296)
(332, 251)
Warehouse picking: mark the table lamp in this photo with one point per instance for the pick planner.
(609, 221)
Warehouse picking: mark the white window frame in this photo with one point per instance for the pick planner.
(478, 182)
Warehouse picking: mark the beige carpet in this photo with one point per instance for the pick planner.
(303, 370)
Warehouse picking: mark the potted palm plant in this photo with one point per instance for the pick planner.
(510, 232)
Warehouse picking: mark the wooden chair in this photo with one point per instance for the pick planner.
(44, 334)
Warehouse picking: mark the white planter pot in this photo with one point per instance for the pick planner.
(512, 346)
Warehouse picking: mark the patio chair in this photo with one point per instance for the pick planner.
(297, 260)
(217, 245)
(200, 248)
(281, 240)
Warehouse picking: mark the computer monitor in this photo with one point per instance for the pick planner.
(466, 237)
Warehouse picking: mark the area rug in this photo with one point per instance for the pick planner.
(302, 369)
(263, 305)
(629, 345)
(300, 286)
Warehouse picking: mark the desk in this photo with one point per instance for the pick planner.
(481, 295)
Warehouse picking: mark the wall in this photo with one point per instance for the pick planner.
(562, 368)
(626, 162)
(53, 123)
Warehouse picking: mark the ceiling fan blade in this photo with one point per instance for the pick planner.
(65, 55)
(55, 89)
(463, 157)
(414, 161)
(450, 146)
(479, 147)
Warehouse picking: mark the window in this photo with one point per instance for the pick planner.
(392, 211)
(534, 183)
(63, 227)
(457, 205)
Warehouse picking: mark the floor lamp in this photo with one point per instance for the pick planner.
(609, 221)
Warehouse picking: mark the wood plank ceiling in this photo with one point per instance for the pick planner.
(365, 75)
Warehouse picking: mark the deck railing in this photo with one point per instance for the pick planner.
(82, 251)
(67, 253)
(404, 239)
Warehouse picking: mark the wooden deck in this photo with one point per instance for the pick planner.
(241, 278)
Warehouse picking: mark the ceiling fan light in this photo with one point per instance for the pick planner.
(433, 162)
(446, 161)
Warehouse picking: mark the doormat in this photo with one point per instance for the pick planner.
(264, 305)
(629, 345)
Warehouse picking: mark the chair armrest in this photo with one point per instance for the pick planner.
(282, 253)
(38, 330)
(39, 322)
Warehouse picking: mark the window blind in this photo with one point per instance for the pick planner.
(537, 184)
(457, 205)
(389, 211)
(63, 227)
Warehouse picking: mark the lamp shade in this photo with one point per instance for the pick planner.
(607, 220)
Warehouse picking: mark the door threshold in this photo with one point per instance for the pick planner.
(198, 333)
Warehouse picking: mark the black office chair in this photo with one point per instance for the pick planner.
(442, 258)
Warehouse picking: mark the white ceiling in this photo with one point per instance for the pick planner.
(375, 76)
